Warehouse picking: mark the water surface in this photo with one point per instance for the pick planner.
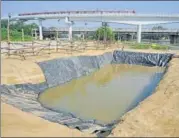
(106, 94)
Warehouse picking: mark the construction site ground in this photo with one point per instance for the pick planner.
(157, 115)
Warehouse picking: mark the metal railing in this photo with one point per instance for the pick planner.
(98, 14)
(120, 30)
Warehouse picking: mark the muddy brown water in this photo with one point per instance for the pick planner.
(106, 94)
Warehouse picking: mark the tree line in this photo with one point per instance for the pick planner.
(103, 33)
(16, 30)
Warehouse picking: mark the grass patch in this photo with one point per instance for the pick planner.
(140, 46)
(159, 47)
(14, 35)
(148, 46)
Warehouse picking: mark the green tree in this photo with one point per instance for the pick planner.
(28, 28)
(15, 30)
(104, 32)
(4, 24)
(3, 34)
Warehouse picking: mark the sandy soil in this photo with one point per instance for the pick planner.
(158, 115)
(15, 70)
(16, 123)
(21, 124)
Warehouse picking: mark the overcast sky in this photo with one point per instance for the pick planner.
(40, 6)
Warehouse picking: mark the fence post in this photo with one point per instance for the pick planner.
(57, 34)
(122, 47)
(33, 47)
(8, 27)
(57, 46)
(49, 48)
(22, 34)
(8, 33)
(8, 48)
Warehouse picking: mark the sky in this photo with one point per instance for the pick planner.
(139, 6)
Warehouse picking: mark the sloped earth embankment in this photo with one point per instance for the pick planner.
(158, 115)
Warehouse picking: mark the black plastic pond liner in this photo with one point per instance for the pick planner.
(138, 58)
(62, 70)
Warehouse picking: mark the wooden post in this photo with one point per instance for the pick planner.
(118, 36)
(57, 46)
(122, 48)
(49, 48)
(35, 34)
(8, 27)
(22, 34)
(8, 49)
(8, 33)
(57, 34)
(85, 31)
(98, 41)
(32, 34)
(71, 46)
(32, 41)
(33, 47)
(104, 24)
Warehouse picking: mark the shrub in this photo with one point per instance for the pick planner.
(102, 31)
(140, 46)
(14, 35)
(147, 46)
(159, 47)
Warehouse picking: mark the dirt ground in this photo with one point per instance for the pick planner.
(16, 123)
(158, 115)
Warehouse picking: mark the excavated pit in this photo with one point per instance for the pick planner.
(63, 71)
(104, 95)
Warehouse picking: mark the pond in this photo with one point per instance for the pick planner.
(106, 94)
